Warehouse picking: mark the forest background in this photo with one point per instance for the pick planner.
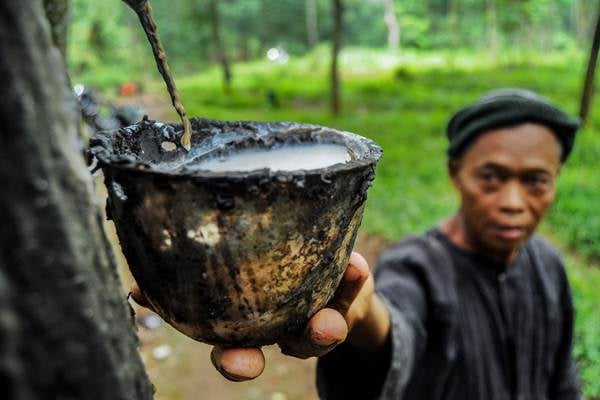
(405, 66)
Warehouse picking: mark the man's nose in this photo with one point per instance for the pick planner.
(512, 198)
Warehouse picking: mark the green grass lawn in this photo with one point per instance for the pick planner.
(403, 102)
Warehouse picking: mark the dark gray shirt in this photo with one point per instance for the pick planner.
(464, 327)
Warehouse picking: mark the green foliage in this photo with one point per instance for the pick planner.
(109, 31)
(585, 280)
(575, 219)
(403, 101)
(405, 111)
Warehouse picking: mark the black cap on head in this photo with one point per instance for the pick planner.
(509, 107)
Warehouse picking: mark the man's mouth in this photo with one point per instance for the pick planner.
(510, 232)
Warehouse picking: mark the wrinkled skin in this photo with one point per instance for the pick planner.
(506, 180)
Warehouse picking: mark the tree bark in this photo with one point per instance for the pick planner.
(391, 21)
(57, 12)
(312, 23)
(65, 328)
(336, 45)
(588, 86)
(219, 47)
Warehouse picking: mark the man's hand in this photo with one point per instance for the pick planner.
(355, 315)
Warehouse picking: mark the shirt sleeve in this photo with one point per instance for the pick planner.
(344, 374)
(565, 383)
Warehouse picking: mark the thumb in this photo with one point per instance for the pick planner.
(352, 282)
(238, 364)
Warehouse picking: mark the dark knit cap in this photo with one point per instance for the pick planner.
(509, 107)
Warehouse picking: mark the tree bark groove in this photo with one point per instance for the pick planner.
(65, 329)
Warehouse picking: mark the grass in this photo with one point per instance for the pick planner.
(403, 101)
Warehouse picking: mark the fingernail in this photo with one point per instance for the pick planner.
(352, 273)
(233, 377)
(322, 341)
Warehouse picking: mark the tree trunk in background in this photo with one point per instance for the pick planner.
(580, 22)
(492, 20)
(218, 45)
(336, 45)
(588, 86)
(312, 23)
(452, 15)
(244, 48)
(66, 331)
(391, 21)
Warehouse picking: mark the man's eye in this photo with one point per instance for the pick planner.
(489, 176)
(535, 180)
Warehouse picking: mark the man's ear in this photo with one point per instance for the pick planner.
(453, 169)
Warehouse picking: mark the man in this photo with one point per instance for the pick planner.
(477, 308)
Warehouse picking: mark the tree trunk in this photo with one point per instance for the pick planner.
(312, 23)
(492, 18)
(588, 86)
(336, 45)
(244, 48)
(580, 22)
(391, 21)
(219, 47)
(65, 328)
(57, 12)
(452, 15)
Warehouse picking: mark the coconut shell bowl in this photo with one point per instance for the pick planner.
(236, 257)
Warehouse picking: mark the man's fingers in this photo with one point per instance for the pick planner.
(137, 295)
(238, 364)
(327, 327)
(354, 278)
(325, 330)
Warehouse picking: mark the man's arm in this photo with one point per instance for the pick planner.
(368, 369)
(564, 384)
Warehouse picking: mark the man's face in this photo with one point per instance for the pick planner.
(506, 180)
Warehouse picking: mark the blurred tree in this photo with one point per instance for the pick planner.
(249, 27)
(336, 45)
(312, 23)
(218, 45)
(492, 21)
(65, 329)
(57, 12)
(391, 20)
(241, 28)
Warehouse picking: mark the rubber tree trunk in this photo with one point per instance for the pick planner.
(57, 12)
(336, 45)
(218, 45)
(588, 86)
(66, 331)
(391, 21)
(312, 23)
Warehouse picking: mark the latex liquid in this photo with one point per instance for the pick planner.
(287, 158)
